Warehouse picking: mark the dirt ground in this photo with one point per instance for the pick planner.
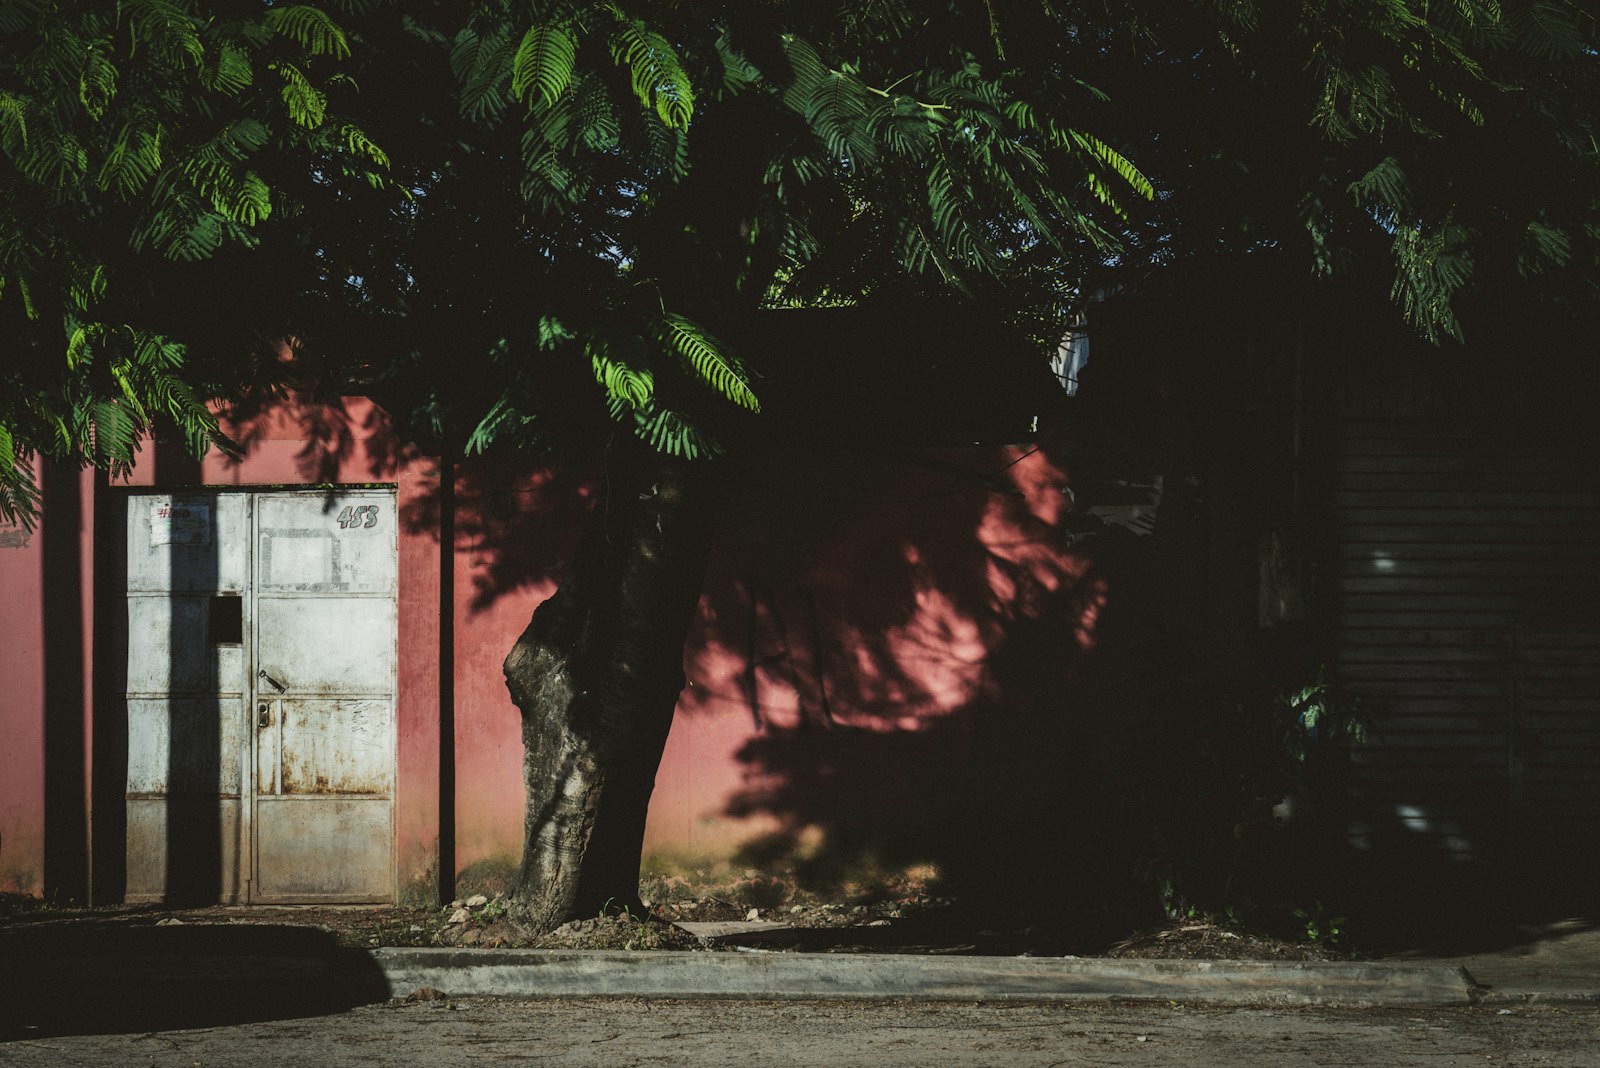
(892, 1034)
(911, 922)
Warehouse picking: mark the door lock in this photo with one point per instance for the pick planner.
(263, 715)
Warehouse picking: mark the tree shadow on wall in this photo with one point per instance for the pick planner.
(937, 675)
(331, 432)
(962, 682)
(516, 529)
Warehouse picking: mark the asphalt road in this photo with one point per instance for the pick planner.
(840, 1033)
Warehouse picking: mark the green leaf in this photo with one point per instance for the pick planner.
(165, 28)
(737, 71)
(1431, 267)
(133, 159)
(552, 332)
(357, 143)
(667, 431)
(56, 161)
(307, 104)
(482, 66)
(230, 73)
(1117, 162)
(115, 433)
(97, 85)
(632, 386)
(544, 61)
(656, 74)
(19, 496)
(13, 121)
(704, 357)
(1384, 184)
(626, 385)
(311, 29)
(500, 421)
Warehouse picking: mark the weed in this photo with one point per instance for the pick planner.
(1319, 926)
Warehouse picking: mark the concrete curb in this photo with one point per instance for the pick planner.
(657, 974)
(1537, 997)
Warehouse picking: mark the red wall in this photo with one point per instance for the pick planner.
(21, 710)
(874, 592)
(46, 706)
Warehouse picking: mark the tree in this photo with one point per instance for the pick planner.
(682, 166)
(634, 195)
(591, 201)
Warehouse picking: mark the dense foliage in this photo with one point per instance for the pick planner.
(1445, 150)
(141, 140)
(586, 195)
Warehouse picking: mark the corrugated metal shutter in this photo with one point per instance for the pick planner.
(1469, 631)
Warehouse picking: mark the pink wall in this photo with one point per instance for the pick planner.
(871, 591)
(877, 595)
(46, 687)
(21, 710)
(513, 532)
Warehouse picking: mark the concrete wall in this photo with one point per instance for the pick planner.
(846, 652)
(843, 654)
(47, 622)
(22, 696)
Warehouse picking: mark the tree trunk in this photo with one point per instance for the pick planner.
(597, 675)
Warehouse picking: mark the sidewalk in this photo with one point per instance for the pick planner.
(69, 978)
(1560, 965)
(1555, 964)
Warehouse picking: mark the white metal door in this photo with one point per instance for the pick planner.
(322, 812)
(261, 696)
(188, 565)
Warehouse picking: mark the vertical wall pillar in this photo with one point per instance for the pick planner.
(447, 676)
(66, 705)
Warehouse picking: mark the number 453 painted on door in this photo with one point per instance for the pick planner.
(363, 516)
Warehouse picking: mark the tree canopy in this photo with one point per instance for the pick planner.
(526, 222)
(1447, 150)
(147, 144)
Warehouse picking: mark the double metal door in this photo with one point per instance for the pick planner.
(261, 696)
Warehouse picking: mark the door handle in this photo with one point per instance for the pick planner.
(270, 681)
(263, 715)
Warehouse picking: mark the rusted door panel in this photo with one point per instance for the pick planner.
(321, 543)
(173, 750)
(337, 747)
(169, 651)
(324, 849)
(188, 541)
(269, 746)
(261, 635)
(149, 819)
